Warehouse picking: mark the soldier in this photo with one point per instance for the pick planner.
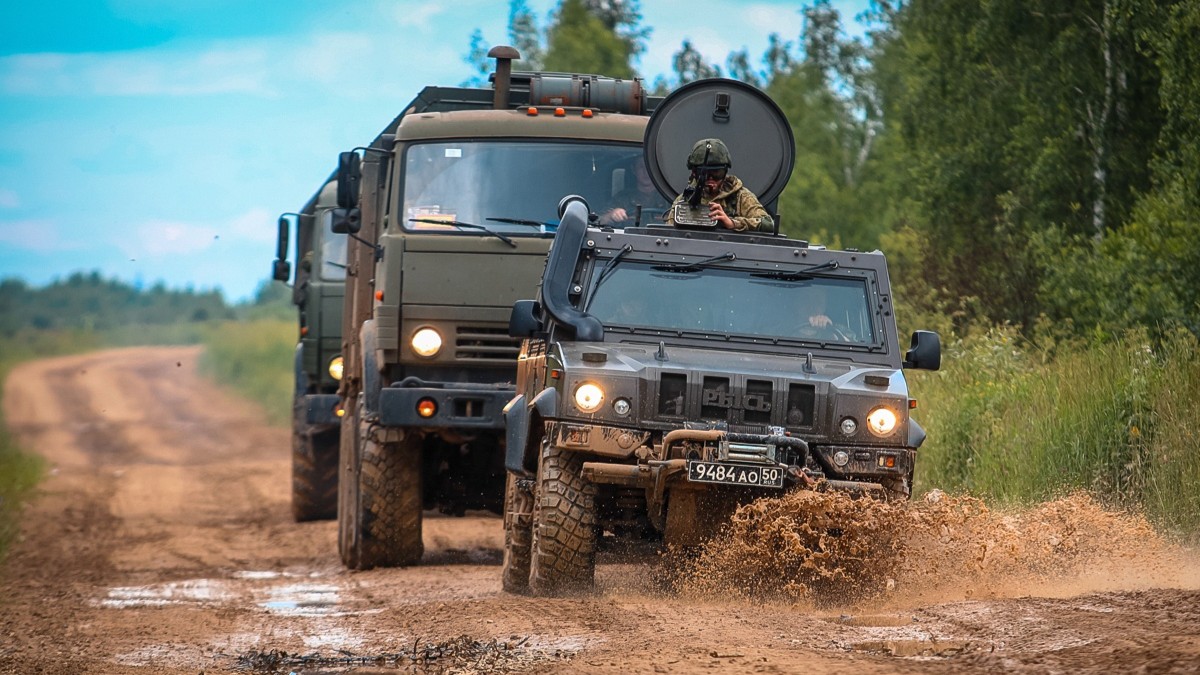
(730, 204)
(641, 193)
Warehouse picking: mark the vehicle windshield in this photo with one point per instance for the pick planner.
(725, 301)
(333, 256)
(492, 183)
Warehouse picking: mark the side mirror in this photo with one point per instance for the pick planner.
(281, 270)
(342, 221)
(925, 352)
(525, 319)
(349, 175)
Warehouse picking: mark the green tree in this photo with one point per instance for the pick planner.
(1020, 117)
(580, 42)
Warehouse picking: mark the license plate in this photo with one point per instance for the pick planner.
(735, 474)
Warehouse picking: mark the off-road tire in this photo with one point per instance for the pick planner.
(314, 471)
(563, 552)
(388, 511)
(518, 534)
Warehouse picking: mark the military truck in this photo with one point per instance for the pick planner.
(317, 291)
(453, 210)
(668, 374)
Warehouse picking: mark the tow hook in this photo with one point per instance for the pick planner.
(798, 476)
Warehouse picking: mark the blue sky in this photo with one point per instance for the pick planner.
(159, 140)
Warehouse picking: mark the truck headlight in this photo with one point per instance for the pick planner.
(335, 368)
(881, 421)
(427, 342)
(588, 397)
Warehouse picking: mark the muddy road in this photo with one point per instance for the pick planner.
(162, 543)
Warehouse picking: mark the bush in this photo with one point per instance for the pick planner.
(1017, 424)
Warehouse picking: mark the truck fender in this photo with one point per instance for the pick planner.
(916, 435)
(520, 455)
(371, 377)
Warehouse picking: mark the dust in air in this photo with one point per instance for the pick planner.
(827, 548)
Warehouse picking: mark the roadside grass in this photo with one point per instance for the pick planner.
(255, 359)
(1017, 425)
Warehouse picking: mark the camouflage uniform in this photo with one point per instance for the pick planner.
(739, 203)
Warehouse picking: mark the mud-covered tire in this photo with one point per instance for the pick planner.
(314, 472)
(518, 534)
(379, 516)
(563, 551)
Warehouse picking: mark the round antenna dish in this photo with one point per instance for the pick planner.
(756, 131)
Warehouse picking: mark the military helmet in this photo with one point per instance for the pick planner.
(709, 153)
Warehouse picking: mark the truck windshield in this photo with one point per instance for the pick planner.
(333, 256)
(727, 301)
(497, 183)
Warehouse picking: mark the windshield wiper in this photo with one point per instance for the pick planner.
(694, 266)
(468, 226)
(606, 272)
(522, 221)
(800, 275)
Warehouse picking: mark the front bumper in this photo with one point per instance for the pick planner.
(321, 409)
(460, 406)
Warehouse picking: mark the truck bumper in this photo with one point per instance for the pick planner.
(321, 409)
(457, 408)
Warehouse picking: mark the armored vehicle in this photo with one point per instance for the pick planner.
(667, 375)
(453, 206)
(317, 291)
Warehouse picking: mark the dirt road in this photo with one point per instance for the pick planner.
(162, 543)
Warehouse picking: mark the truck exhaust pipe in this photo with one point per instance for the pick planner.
(504, 56)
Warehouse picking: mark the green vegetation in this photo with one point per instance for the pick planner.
(1011, 422)
(255, 359)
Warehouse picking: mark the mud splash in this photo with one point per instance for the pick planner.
(828, 549)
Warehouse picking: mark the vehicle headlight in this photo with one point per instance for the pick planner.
(849, 426)
(622, 406)
(335, 368)
(588, 397)
(427, 342)
(881, 421)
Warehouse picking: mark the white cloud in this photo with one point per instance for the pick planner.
(9, 199)
(169, 72)
(159, 238)
(256, 225)
(766, 19)
(39, 236)
(420, 17)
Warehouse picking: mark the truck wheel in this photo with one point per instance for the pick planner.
(563, 555)
(387, 517)
(314, 470)
(518, 534)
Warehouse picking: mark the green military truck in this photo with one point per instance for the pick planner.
(669, 374)
(452, 208)
(318, 289)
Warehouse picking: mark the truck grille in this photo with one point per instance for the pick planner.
(479, 343)
(737, 401)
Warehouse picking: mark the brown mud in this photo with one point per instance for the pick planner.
(162, 542)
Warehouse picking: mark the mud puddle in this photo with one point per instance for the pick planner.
(462, 654)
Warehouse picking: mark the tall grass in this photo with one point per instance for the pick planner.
(1009, 422)
(255, 359)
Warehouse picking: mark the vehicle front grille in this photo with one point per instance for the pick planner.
(736, 401)
(485, 344)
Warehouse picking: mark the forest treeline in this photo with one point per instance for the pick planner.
(85, 301)
(1029, 163)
